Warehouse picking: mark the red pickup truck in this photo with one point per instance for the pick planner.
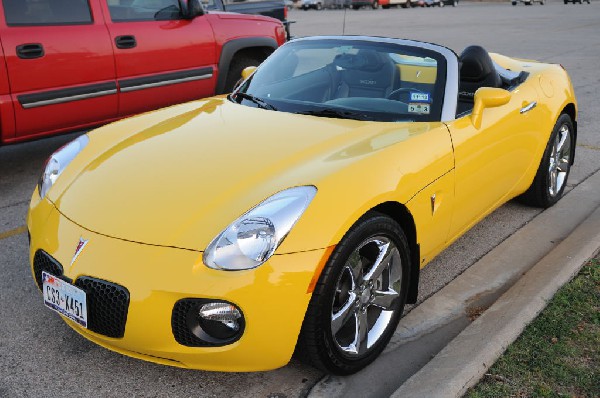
(73, 64)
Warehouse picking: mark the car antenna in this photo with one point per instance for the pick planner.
(344, 24)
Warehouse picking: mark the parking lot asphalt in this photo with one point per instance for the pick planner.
(40, 356)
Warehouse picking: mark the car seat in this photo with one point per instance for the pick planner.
(367, 73)
(476, 70)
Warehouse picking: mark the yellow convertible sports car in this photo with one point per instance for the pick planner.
(295, 213)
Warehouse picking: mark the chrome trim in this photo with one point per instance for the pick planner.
(166, 83)
(451, 91)
(560, 161)
(68, 99)
(366, 283)
(528, 107)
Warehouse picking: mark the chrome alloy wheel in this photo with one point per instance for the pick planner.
(560, 161)
(365, 295)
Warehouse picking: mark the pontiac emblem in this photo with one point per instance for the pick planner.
(79, 249)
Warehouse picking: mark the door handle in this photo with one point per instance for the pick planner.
(30, 51)
(528, 107)
(125, 42)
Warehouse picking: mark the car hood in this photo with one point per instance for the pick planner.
(178, 176)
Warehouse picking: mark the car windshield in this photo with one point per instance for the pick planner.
(350, 79)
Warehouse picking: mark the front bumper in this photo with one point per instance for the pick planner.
(273, 297)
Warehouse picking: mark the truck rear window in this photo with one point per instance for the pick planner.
(143, 10)
(46, 12)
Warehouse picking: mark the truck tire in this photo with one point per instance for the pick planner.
(238, 64)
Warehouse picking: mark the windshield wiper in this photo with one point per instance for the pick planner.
(258, 101)
(335, 113)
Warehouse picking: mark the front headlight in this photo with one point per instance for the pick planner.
(57, 162)
(253, 238)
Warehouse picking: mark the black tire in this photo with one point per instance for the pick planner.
(234, 75)
(566, 2)
(352, 291)
(386, 7)
(355, 7)
(541, 192)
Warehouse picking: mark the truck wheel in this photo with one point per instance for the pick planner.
(234, 74)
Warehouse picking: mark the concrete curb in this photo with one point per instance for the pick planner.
(464, 361)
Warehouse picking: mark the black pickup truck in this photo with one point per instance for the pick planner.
(270, 8)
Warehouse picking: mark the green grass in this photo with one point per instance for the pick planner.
(557, 354)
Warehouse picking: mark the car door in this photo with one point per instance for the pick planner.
(161, 59)
(491, 161)
(60, 65)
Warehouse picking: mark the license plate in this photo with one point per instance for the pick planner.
(64, 298)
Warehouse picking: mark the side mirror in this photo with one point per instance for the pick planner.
(488, 97)
(190, 9)
(247, 71)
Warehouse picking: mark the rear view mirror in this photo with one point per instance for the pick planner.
(190, 9)
(488, 97)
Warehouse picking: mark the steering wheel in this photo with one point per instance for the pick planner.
(403, 90)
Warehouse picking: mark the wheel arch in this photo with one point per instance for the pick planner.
(400, 213)
(570, 110)
(259, 47)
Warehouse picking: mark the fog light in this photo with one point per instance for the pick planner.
(225, 313)
(219, 322)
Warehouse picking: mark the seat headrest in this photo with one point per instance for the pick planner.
(476, 64)
(364, 60)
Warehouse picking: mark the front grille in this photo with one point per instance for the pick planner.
(43, 262)
(107, 303)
